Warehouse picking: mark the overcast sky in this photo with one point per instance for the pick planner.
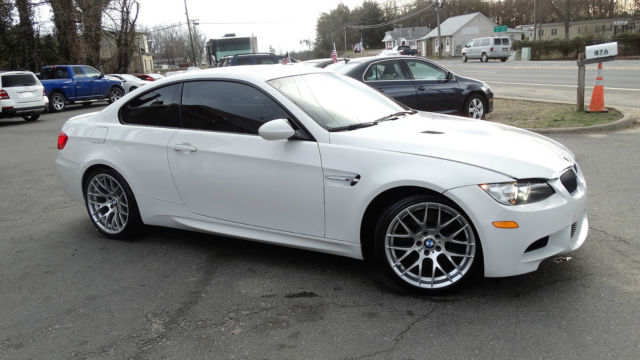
(281, 24)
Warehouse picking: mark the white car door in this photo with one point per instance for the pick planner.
(223, 169)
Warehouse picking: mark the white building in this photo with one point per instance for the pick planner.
(455, 32)
(404, 36)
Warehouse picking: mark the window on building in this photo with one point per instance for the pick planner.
(554, 31)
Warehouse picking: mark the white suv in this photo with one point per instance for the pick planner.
(487, 48)
(21, 94)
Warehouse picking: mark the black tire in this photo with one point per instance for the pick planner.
(484, 58)
(479, 105)
(31, 117)
(429, 245)
(57, 101)
(118, 207)
(503, 59)
(114, 94)
(464, 58)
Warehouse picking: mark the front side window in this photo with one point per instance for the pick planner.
(158, 107)
(334, 101)
(227, 106)
(91, 72)
(77, 71)
(385, 70)
(425, 71)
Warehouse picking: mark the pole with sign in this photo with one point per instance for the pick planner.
(593, 54)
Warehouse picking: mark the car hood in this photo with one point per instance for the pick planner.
(504, 149)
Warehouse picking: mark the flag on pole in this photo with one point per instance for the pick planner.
(334, 54)
(286, 59)
(361, 44)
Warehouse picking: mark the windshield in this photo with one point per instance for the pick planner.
(335, 101)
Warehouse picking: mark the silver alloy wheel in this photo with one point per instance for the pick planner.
(107, 203)
(114, 94)
(430, 245)
(476, 108)
(57, 101)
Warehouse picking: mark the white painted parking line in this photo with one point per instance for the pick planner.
(556, 85)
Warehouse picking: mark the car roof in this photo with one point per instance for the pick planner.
(257, 72)
(9, 72)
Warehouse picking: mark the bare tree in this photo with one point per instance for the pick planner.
(90, 19)
(124, 15)
(64, 18)
(169, 42)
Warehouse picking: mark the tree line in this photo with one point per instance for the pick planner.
(78, 30)
(344, 26)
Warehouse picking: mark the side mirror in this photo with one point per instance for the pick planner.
(279, 129)
(100, 76)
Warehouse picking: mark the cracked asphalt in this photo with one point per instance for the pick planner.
(68, 293)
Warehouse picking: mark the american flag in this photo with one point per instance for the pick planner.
(286, 59)
(334, 54)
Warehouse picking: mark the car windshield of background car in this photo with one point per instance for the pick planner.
(335, 101)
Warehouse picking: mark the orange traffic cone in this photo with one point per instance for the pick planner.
(597, 96)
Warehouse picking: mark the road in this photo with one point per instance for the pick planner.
(68, 293)
(554, 80)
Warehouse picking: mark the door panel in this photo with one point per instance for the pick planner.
(390, 78)
(82, 83)
(249, 180)
(99, 86)
(434, 92)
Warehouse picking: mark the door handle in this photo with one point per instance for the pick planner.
(421, 88)
(184, 147)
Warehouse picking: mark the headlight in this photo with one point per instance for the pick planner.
(519, 192)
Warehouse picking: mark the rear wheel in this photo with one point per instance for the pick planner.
(114, 94)
(31, 117)
(111, 205)
(427, 244)
(503, 59)
(484, 58)
(464, 58)
(474, 107)
(57, 101)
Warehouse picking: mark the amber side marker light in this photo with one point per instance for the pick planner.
(505, 224)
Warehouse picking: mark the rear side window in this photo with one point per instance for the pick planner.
(485, 42)
(54, 73)
(18, 80)
(505, 41)
(158, 107)
(265, 60)
(425, 71)
(227, 106)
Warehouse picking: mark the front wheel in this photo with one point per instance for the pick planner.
(464, 58)
(111, 205)
(427, 244)
(114, 94)
(474, 107)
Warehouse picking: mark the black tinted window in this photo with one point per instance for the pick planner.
(159, 107)
(54, 73)
(266, 60)
(227, 106)
(18, 80)
(244, 61)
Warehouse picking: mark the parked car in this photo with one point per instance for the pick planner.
(129, 82)
(405, 50)
(149, 77)
(389, 52)
(249, 59)
(319, 63)
(421, 84)
(271, 155)
(21, 94)
(486, 48)
(77, 84)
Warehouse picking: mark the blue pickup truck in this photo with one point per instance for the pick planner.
(77, 84)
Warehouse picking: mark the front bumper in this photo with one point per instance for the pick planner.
(559, 224)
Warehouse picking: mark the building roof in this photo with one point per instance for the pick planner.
(408, 33)
(452, 25)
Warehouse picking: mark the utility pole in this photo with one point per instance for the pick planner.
(193, 49)
(438, 5)
(535, 28)
(345, 40)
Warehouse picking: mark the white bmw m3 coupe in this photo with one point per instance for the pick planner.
(305, 158)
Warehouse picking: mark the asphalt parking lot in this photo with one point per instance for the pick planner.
(66, 292)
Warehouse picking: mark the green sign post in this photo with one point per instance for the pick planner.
(500, 28)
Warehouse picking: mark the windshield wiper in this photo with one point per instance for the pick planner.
(354, 126)
(395, 116)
